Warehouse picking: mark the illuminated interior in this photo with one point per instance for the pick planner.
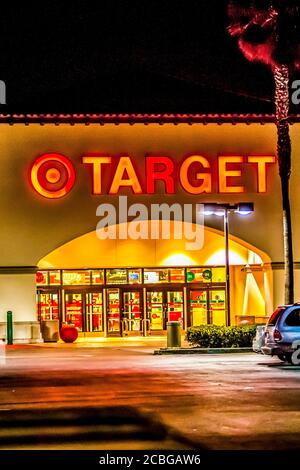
(136, 285)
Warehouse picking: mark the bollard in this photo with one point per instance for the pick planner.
(173, 334)
(9, 327)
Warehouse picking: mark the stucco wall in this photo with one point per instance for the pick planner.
(33, 226)
(18, 294)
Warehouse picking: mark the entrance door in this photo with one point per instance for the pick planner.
(155, 310)
(113, 312)
(47, 305)
(74, 308)
(207, 306)
(132, 312)
(198, 300)
(175, 306)
(162, 306)
(94, 311)
(217, 307)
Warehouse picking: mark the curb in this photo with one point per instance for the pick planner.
(201, 350)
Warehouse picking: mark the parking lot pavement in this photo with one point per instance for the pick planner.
(230, 401)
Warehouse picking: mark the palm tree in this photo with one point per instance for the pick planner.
(269, 31)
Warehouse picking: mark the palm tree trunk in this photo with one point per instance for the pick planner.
(281, 76)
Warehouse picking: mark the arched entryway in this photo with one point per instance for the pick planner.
(132, 287)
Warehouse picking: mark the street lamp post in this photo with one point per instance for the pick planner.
(243, 208)
(227, 267)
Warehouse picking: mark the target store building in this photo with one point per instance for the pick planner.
(56, 170)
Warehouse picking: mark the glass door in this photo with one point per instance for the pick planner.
(74, 309)
(132, 311)
(113, 311)
(47, 305)
(155, 310)
(217, 307)
(198, 300)
(175, 305)
(94, 311)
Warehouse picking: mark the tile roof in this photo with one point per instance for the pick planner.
(140, 118)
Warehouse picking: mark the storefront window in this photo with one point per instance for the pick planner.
(113, 311)
(94, 311)
(217, 307)
(74, 309)
(76, 278)
(48, 308)
(175, 306)
(155, 310)
(42, 278)
(219, 274)
(116, 276)
(206, 274)
(198, 307)
(155, 276)
(135, 276)
(177, 275)
(54, 278)
(98, 277)
(199, 275)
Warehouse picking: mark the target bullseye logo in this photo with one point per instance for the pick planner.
(52, 175)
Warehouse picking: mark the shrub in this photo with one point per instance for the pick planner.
(213, 336)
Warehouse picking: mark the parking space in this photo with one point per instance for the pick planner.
(225, 401)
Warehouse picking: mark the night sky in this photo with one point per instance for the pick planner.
(127, 57)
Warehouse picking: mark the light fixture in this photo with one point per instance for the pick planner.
(219, 213)
(245, 208)
(209, 209)
(222, 210)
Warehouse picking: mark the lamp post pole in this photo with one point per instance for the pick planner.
(227, 288)
(244, 208)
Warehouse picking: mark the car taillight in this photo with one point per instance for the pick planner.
(277, 335)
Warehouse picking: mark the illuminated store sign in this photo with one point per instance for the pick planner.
(52, 175)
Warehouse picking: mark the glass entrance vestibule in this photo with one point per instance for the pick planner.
(132, 301)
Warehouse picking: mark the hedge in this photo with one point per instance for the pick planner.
(213, 336)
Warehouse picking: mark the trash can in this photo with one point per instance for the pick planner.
(50, 330)
(173, 334)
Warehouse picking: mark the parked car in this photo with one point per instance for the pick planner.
(281, 335)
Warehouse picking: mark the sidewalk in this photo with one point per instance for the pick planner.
(154, 342)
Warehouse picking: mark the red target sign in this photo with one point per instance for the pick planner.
(52, 175)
